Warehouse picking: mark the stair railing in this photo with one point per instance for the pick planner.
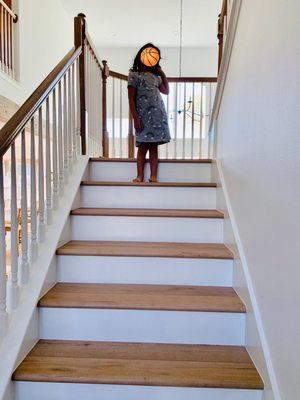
(188, 105)
(39, 146)
(7, 39)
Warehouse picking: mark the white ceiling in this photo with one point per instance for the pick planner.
(131, 23)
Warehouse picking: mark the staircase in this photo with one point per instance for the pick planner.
(144, 306)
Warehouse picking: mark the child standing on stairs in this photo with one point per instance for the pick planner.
(145, 82)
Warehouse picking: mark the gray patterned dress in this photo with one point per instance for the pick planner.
(150, 108)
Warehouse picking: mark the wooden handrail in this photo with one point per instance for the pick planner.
(12, 128)
(115, 74)
(15, 17)
(170, 79)
(189, 79)
(94, 51)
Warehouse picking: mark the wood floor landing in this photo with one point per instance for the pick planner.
(145, 249)
(139, 364)
(161, 160)
(143, 297)
(149, 184)
(148, 212)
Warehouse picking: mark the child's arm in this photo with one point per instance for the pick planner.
(164, 87)
(131, 98)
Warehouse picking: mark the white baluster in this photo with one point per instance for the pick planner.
(5, 42)
(168, 111)
(74, 128)
(113, 119)
(201, 120)
(2, 37)
(70, 133)
(60, 142)
(175, 119)
(88, 100)
(78, 130)
(193, 121)
(24, 264)
(121, 139)
(33, 212)
(48, 168)
(54, 154)
(13, 288)
(3, 312)
(13, 50)
(41, 220)
(184, 120)
(9, 19)
(65, 128)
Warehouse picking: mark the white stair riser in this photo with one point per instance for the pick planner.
(148, 197)
(152, 229)
(142, 326)
(147, 270)
(167, 172)
(72, 391)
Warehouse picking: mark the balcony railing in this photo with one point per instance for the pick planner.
(7, 39)
(188, 105)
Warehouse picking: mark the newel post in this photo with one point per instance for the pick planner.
(105, 141)
(79, 41)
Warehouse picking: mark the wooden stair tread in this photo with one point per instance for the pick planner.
(145, 249)
(143, 297)
(140, 364)
(161, 160)
(148, 184)
(148, 212)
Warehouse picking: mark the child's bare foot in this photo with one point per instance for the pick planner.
(138, 179)
(153, 179)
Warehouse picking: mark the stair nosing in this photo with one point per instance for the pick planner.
(63, 250)
(104, 296)
(147, 212)
(149, 184)
(161, 160)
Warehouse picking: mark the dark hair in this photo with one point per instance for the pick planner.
(137, 63)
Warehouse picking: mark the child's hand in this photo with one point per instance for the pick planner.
(138, 125)
(159, 71)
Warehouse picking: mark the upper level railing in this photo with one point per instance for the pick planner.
(188, 107)
(39, 146)
(7, 39)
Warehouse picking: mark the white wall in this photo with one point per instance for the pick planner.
(198, 61)
(259, 149)
(45, 36)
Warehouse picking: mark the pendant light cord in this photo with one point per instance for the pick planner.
(180, 40)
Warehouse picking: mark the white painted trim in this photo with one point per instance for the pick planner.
(20, 319)
(250, 286)
(230, 36)
(13, 81)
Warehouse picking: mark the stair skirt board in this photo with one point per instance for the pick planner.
(72, 391)
(189, 327)
(148, 197)
(167, 172)
(158, 229)
(144, 270)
